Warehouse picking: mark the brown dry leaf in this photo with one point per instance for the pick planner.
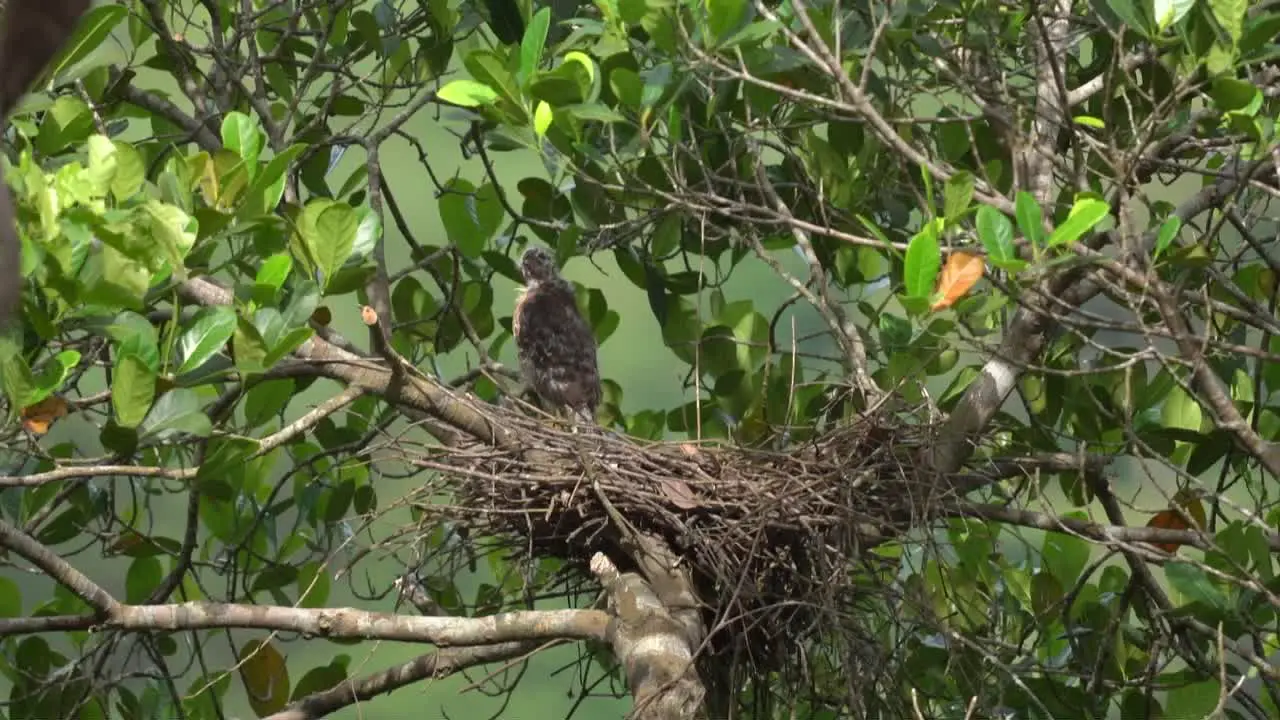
(679, 493)
(962, 271)
(37, 418)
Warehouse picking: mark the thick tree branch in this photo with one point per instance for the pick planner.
(652, 647)
(336, 623)
(58, 569)
(438, 664)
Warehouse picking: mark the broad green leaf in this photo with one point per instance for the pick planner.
(1230, 15)
(266, 400)
(957, 195)
(1195, 585)
(995, 231)
(267, 188)
(725, 17)
(19, 382)
(176, 411)
(329, 229)
(1084, 215)
(53, 373)
(249, 349)
(1132, 14)
(1180, 410)
(531, 46)
(209, 332)
(175, 232)
(274, 271)
(1065, 555)
(242, 136)
(10, 598)
(1194, 701)
(92, 29)
(1168, 12)
(924, 258)
(130, 172)
(133, 388)
(144, 574)
(1030, 219)
(467, 93)
(102, 165)
(462, 218)
(1168, 232)
(1233, 94)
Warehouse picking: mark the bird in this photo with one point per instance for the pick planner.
(556, 346)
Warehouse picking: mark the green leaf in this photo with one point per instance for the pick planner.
(10, 598)
(329, 229)
(176, 411)
(924, 258)
(1180, 410)
(1085, 214)
(241, 135)
(957, 195)
(249, 348)
(267, 187)
(467, 93)
(1168, 232)
(210, 330)
(1168, 12)
(724, 17)
(1087, 121)
(1230, 15)
(1131, 14)
(130, 173)
(535, 39)
(1030, 220)
(92, 29)
(461, 216)
(274, 271)
(1065, 555)
(995, 231)
(53, 374)
(1230, 93)
(133, 388)
(1194, 701)
(1195, 585)
(144, 574)
(266, 400)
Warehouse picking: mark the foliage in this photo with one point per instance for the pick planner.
(1039, 233)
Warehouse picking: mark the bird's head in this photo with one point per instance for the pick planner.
(537, 266)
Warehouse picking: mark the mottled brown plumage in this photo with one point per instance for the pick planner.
(556, 346)
(33, 32)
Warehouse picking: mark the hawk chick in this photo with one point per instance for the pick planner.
(556, 346)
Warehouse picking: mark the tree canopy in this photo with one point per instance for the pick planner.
(939, 344)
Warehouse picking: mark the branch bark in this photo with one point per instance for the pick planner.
(652, 646)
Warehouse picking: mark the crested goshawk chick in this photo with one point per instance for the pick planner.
(556, 346)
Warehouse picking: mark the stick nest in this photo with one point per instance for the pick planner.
(768, 538)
